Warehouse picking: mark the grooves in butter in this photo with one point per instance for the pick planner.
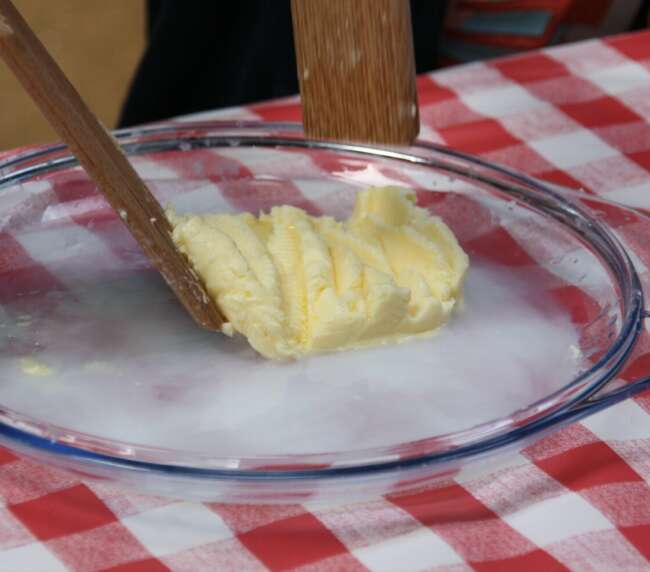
(295, 284)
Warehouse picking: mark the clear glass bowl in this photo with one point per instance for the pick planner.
(102, 373)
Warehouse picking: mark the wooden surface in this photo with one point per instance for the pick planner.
(102, 159)
(98, 44)
(356, 69)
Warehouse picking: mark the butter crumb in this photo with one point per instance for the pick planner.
(576, 352)
(35, 368)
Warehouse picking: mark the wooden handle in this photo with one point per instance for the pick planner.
(103, 159)
(356, 68)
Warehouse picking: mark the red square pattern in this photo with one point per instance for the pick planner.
(588, 466)
(73, 186)
(581, 307)
(65, 512)
(562, 441)
(527, 68)
(500, 247)
(430, 92)
(638, 536)
(535, 561)
(26, 273)
(478, 136)
(637, 368)
(561, 178)
(148, 565)
(443, 505)
(291, 111)
(472, 529)
(467, 218)
(634, 46)
(564, 90)
(599, 112)
(6, 456)
(520, 157)
(242, 518)
(611, 215)
(641, 158)
(98, 548)
(292, 542)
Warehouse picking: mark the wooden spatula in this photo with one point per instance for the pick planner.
(102, 158)
(356, 69)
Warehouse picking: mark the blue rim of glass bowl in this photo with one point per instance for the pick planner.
(579, 404)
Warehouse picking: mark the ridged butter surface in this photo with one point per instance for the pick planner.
(295, 284)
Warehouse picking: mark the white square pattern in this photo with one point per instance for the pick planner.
(30, 558)
(624, 422)
(475, 471)
(619, 79)
(572, 149)
(418, 550)
(150, 169)
(279, 162)
(557, 519)
(543, 121)
(502, 101)
(590, 56)
(240, 113)
(635, 196)
(468, 78)
(177, 527)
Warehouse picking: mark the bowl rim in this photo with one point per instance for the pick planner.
(541, 415)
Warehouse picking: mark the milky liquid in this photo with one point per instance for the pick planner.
(124, 362)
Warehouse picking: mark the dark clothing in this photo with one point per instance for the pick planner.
(210, 54)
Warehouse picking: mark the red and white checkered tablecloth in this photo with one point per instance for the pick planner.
(579, 500)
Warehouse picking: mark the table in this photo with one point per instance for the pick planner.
(575, 115)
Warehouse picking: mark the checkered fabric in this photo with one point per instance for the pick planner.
(578, 500)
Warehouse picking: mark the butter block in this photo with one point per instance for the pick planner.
(296, 285)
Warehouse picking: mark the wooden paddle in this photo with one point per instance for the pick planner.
(356, 68)
(102, 158)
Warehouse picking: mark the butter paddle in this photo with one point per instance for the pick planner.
(103, 159)
(356, 69)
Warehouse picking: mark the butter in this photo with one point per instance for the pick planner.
(296, 285)
(35, 368)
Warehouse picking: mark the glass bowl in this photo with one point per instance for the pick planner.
(102, 372)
